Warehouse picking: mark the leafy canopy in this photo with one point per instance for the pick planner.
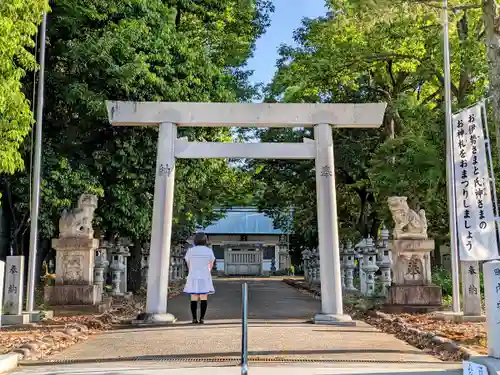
(18, 25)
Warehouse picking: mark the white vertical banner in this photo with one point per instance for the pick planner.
(477, 238)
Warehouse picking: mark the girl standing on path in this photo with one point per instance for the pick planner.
(200, 260)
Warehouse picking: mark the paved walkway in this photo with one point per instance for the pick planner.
(278, 328)
(164, 369)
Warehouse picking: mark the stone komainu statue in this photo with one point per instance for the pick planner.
(78, 221)
(407, 223)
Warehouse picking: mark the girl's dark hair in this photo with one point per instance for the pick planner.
(200, 239)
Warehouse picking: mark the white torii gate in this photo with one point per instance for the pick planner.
(171, 115)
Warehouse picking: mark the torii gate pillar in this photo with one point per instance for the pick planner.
(320, 116)
(328, 235)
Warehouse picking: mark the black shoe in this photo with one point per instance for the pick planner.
(202, 321)
(194, 321)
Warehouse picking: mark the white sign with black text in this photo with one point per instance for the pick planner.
(471, 368)
(477, 238)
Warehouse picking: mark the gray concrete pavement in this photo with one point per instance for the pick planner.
(278, 330)
(253, 370)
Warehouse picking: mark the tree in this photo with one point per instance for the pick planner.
(18, 24)
(140, 51)
(366, 51)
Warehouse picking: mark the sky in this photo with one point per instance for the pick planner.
(286, 19)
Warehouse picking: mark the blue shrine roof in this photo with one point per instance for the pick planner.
(243, 221)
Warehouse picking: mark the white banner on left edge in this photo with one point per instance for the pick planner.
(477, 237)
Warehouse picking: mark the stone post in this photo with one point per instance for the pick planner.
(349, 267)
(491, 273)
(471, 289)
(369, 266)
(13, 292)
(332, 310)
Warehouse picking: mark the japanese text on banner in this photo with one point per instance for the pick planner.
(475, 219)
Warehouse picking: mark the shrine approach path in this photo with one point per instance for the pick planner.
(278, 327)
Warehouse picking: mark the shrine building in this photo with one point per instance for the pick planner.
(245, 243)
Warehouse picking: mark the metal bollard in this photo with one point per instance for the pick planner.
(244, 329)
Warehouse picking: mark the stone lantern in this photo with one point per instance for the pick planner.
(315, 266)
(384, 261)
(359, 251)
(370, 266)
(123, 252)
(117, 268)
(349, 266)
(306, 256)
(100, 265)
(144, 264)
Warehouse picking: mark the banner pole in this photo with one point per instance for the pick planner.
(493, 185)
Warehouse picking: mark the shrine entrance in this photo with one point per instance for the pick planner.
(168, 116)
(243, 259)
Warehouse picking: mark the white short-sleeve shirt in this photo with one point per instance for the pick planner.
(199, 259)
(199, 280)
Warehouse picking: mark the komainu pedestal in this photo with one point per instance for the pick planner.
(412, 289)
(75, 253)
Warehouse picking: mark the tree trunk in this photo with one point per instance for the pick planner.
(362, 224)
(375, 226)
(492, 40)
(134, 267)
(437, 253)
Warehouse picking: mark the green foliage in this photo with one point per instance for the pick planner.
(18, 24)
(442, 278)
(139, 51)
(382, 51)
